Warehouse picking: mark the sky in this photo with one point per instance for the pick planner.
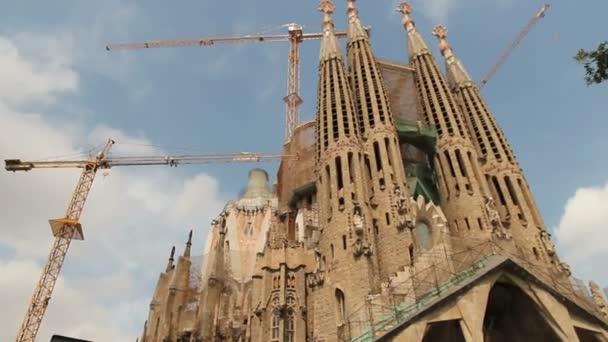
(62, 94)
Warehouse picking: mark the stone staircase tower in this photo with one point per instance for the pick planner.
(382, 162)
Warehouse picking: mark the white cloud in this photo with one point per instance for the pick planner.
(132, 218)
(22, 81)
(583, 231)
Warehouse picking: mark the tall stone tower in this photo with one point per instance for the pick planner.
(383, 168)
(461, 185)
(346, 241)
(505, 180)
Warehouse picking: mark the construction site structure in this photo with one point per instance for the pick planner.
(68, 228)
(405, 218)
(522, 34)
(295, 37)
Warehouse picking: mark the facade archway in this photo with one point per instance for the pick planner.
(512, 316)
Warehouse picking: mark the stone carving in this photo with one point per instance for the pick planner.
(598, 298)
(497, 227)
(565, 268)
(404, 215)
(358, 224)
(545, 238)
(362, 247)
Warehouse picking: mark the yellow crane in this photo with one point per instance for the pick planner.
(68, 228)
(535, 19)
(295, 35)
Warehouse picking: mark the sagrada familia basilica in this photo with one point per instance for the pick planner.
(406, 217)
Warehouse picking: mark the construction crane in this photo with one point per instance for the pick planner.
(541, 14)
(295, 36)
(68, 228)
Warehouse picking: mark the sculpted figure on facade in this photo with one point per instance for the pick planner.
(358, 221)
(549, 245)
(497, 227)
(404, 214)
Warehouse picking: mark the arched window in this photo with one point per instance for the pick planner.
(275, 326)
(340, 305)
(289, 327)
(422, 232)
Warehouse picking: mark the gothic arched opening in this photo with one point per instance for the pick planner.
(511, 316)
(445, 331)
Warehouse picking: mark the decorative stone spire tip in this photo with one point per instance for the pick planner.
(188, 244)
(406, 9)
(441, 32)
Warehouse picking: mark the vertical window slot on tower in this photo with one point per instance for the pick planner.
(501, 196)
(388, 151)
(511, 191)
(449, 160)
(377, 156)
(463, 169)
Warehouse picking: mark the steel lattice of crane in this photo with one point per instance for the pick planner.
(69, 228)
(513, 45)
(295, 36)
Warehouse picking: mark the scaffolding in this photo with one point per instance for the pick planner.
(447, 273)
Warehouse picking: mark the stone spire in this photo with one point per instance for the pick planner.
(171, 259)
(344, 216)
(461, 186)
(188, 245)
(356, 31)
(457, 75)
(501, 173)
(382, 160)
(330, 47)
(415, 43)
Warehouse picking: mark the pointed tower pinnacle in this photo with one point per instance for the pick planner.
(416, 44)
(461, 185)
(356, 30)
(457, 75)
(385, 174)
(330, 47)
(344, 214)
(188, 245)
(171, 259)
(501, 175)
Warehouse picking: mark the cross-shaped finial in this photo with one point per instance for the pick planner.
(327, 7)
(404, 8)
(440, 32)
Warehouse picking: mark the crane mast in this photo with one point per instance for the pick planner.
(64, 229)
(295, 37)
(68, 228)
(541, 14)
(293, 99)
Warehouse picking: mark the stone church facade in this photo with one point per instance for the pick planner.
(406, 217)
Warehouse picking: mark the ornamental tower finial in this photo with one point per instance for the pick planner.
(327, 7)
(441, 32)
(171, 259)
(406, 10)
(355, 28)
(188, 245)
(330, 48)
